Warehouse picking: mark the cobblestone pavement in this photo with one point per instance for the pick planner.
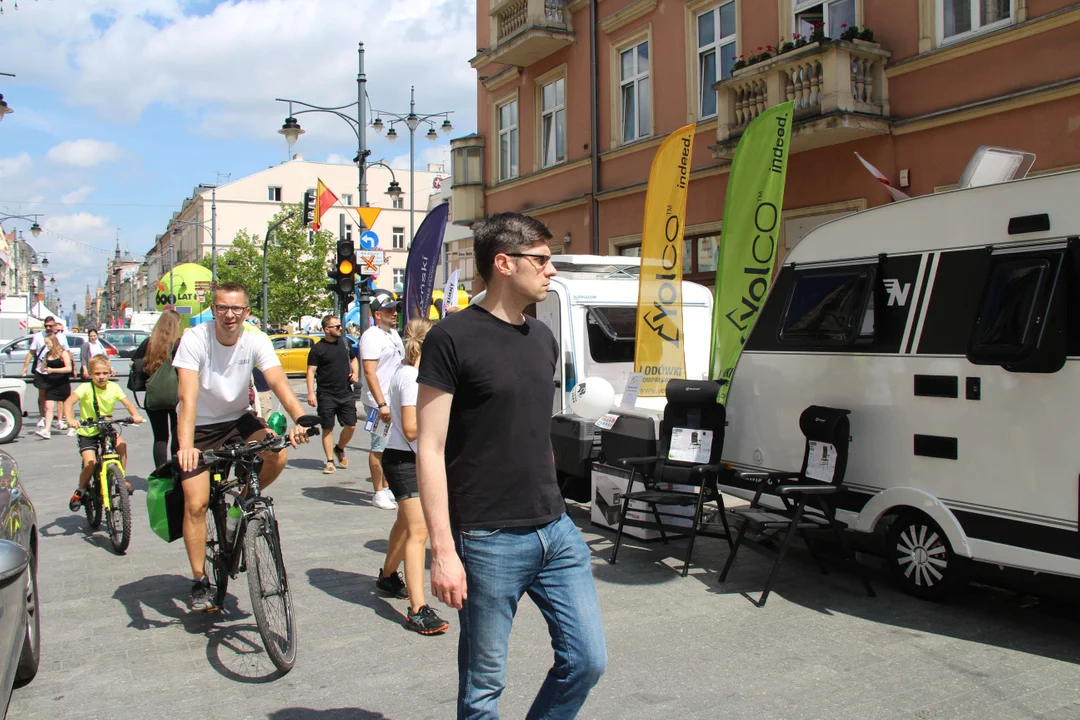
(118, 641)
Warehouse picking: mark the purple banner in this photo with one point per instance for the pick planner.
(423, 261)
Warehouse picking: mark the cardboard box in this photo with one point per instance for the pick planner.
(608, 486)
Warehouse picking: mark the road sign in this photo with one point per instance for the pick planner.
(369, 262)
(368, 215)
(369, 240)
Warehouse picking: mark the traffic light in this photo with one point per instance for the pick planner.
(345, 268)
(309, 207)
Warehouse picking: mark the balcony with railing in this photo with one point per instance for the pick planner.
(839, 89)
(525, 31)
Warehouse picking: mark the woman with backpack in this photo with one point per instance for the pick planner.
(158, 378)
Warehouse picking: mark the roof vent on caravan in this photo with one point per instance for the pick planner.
(990, 165)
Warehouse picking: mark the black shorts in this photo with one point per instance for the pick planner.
(87, 442)
(399, 466)
(215, 435)
(341, 407)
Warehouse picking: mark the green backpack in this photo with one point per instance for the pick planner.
(165, 503)
(161, 388)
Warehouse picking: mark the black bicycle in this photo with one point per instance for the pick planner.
(253, 545)
(108, 490)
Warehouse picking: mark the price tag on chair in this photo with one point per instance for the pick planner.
(606, 422)
(821, 461)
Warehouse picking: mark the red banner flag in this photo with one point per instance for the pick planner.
(324, 199)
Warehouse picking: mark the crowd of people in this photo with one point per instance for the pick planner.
(458, 416)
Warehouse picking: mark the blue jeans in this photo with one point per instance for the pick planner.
(552, 564)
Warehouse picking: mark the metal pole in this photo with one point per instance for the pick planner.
(412, 139)
(266, 243)
(213, 236)
(361, 122)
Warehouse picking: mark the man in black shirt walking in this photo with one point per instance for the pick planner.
(333, 365)
(487, 484)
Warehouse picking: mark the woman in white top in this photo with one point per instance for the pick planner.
(93, 347)
(408, 538)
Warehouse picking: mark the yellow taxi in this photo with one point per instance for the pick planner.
(292, 351)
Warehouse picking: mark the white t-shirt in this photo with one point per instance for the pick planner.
(402, 393)
(224, 371)
(384, 346)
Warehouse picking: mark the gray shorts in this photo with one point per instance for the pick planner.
(378, 442)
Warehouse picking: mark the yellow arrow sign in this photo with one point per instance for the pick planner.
(368, 215)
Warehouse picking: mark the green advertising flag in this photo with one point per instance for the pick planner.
(751, 225)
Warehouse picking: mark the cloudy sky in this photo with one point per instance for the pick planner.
(123, 106)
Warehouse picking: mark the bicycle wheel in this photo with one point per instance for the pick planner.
(271, 598)
(93, 504)
(119, 519)
(216, 558)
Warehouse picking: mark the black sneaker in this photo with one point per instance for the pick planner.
(392, 585)
(426, 622)
(201, 596)
(78, 499)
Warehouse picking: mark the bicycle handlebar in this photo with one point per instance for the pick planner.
(102, 424)
(274, 443)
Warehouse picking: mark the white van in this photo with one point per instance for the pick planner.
(949, 325)
(591, 307)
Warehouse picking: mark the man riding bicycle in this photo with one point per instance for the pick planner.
(213, 366)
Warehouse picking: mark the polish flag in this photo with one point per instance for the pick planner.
(896, 194)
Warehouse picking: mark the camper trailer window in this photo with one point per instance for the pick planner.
(611, 333)
(829, 307)
(1009, 304)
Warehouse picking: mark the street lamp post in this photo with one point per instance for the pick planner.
(35, 229)
(412, 121)
(266, 243)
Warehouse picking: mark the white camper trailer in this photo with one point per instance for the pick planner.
(949, 325)
(591, 307)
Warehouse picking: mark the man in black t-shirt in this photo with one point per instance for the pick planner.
(487, 484)
(334, 366)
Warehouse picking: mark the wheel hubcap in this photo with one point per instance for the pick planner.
(922, 555)
(7, 422)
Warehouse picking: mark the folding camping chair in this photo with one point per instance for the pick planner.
(685, 471)
(808, 496)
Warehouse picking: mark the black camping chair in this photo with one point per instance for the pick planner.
(692, 414)
(808, 496)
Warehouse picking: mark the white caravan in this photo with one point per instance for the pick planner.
(949, 325)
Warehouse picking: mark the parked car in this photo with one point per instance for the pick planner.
(20, 621)
(126, 342)
(12, 392)
(13, 354)
(292, 350)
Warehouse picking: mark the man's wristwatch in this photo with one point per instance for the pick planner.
(382, 405)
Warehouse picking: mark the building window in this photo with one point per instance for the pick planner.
(715, 39)
(553, 122)
(634, 90)
(399, 277)
(507, 114)
(957, 18)
(399, 202)
(398, 238)
(834, 16)
(348, 232)
(346, 200)
(273, 194)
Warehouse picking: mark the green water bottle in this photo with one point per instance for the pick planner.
(232, 522)
(276, 422)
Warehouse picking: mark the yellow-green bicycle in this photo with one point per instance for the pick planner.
(108, 491)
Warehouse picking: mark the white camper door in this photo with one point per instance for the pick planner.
(549, 312)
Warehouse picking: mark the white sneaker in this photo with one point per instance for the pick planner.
(41, 422)
(384, 500)
(61, 425)
(43, 433)
(71, 432)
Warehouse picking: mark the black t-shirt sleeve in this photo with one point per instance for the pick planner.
(313, 354)
(439, 361)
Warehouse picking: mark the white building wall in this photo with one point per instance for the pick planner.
(245, 204)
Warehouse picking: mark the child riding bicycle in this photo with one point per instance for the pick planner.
(96, 399)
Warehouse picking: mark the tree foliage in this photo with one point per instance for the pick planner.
(296, 269)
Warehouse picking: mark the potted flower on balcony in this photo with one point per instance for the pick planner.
(739, 64)
(855, 34)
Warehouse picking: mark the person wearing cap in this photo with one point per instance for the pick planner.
(381, 352)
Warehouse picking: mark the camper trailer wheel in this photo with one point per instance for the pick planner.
(921, 558)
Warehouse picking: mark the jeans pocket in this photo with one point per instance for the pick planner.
(480, 534)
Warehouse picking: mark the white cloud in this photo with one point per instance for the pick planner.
(84, 153)
(84, 227)
(335, 159)
(223, 70)
(12, 166)
(78, 195)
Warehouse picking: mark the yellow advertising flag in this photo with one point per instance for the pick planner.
(659, 351)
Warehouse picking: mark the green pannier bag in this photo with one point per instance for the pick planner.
(165, 503)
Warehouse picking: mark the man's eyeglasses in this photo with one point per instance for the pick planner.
(230, 309)
(333, 327)
(541, 260)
